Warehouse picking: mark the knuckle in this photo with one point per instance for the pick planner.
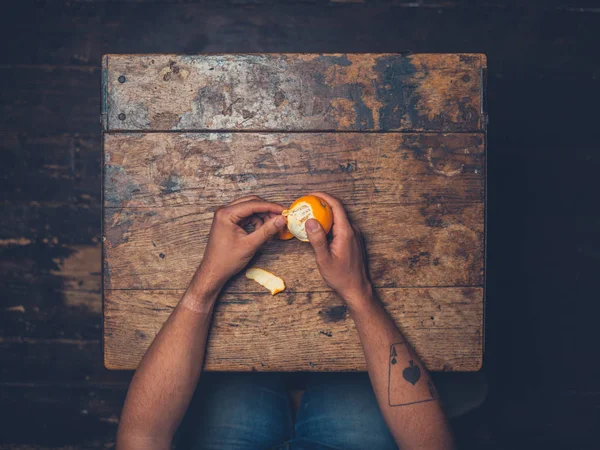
(320, 243)
(267, 232)
(335, 202)
(221, 212)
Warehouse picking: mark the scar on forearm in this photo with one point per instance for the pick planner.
(404, 378)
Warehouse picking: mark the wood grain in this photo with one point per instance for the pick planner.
(51, 295)
(301, 332)
(416, 190)
(169, 169)
(425, 92)
(408, 245)
(79, 415)
(49, 100)
(58, 169)
(26, 360)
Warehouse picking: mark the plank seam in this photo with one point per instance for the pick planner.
(457, 286)
(284, 131)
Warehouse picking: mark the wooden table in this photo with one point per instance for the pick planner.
(400, 139)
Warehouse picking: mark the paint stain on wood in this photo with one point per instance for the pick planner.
(295, 91)
(334, 314)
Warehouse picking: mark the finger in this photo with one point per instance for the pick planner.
(268, 230)
(240, 211)
(341, 223)
(363, 249)
(317, 238)
(242, 223)
(256, 221)
(359, 237)
(244, 199)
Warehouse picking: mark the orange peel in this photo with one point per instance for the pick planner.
(266, 279)
(304, 208)
(284, 234)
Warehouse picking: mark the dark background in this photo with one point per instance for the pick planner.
(543, 165)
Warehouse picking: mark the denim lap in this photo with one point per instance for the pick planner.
(238, 411)
(340, 411)
(253, 411)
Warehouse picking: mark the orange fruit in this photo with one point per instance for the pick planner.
(306, 207)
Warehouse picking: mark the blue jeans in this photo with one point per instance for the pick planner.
(337, 411)
(253, 411)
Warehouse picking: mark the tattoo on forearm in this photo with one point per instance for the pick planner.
(404, 376)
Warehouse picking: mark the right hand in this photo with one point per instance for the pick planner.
(341, 262)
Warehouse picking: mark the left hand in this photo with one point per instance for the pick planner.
(230, 247)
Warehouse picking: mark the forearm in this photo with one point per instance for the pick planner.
(407, 399)
(166, 378)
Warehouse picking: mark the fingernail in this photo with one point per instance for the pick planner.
(312, 225)
(280, 222)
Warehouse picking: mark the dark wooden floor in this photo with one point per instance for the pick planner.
(543, 221)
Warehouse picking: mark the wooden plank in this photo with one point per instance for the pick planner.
(408, 245)
(108, 442)
(50, 100)
(50, 225)
(78, 112)
(59, 33)
(51, 292)
(61, 168)
(169, 169)
(27, 360)
(301, 331)
(60, 415)
(46, 309)
(423, 92)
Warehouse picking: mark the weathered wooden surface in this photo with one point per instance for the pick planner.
(408, 245)
(417, 191)
(172, 169)
(424, 92)
(43, 100)
(553, 44)
(57, 169)
(52, 415)
(61, 360)
(301, 331)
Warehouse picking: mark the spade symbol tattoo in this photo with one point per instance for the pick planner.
(412, 373)
(394, 361)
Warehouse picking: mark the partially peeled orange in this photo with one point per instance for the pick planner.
(306, 207)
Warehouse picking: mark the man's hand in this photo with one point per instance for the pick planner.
(230, 247)
(341, 262)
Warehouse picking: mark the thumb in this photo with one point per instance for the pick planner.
(269, 229)
(318, 238)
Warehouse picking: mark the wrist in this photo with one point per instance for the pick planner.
(359, 298)
(207, 281)
(202, 291)
(199, 300)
